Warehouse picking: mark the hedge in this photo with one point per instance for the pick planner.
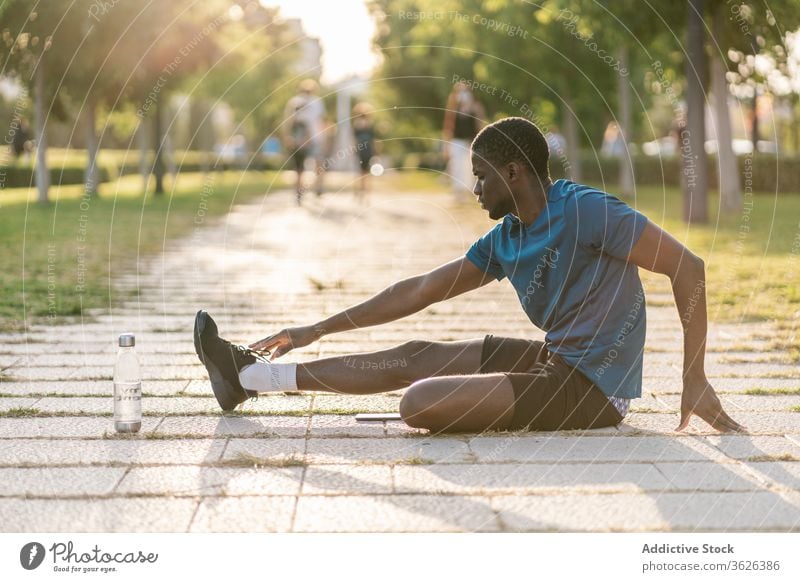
(25, 176)
(767, 173)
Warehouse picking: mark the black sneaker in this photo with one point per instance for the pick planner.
(223, 360)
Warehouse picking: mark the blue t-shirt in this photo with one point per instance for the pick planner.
(570, 272)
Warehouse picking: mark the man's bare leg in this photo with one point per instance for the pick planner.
(390, 369)
(459, 403)
(446, 392)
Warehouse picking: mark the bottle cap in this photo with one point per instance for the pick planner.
(127, 340)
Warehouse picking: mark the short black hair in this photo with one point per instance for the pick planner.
(513, 139)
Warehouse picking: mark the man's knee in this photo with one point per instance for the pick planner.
(417, 407)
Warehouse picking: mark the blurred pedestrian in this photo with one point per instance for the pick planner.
(463, 119)
(21, 141)
(364, 135)
(613, 141)
(304, 135)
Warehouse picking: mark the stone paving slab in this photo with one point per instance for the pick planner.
(99, 388)
(704, 476)
(674, 386)
(352, 404)
(244, 514)
(522, 479)
(329, 425)
(7, 404)
(348, 480)
(153, 515)
(763, 403)
(170, 405)
(533, 449)
(387, 450)
(104, 360)
(17, 452)
(781, 475)
(65, 427)
(225, 426)
(191, 481)
(734, 511)
(755, 422)
(555, 513)
(749, 447)
(247, 452)
(761, 510)
(399, 513)
(59, 482)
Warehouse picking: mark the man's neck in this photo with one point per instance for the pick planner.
(532, 205)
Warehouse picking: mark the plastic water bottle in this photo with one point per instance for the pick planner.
(127, 387)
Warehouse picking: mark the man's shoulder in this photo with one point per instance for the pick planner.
(583, 198)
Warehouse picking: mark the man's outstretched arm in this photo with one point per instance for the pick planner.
(658, 251)
(395, 302)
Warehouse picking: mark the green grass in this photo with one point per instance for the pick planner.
(19, 412)
(246, 460)
(773, 392)
(772, 458)
(752, 257)
(59, 260)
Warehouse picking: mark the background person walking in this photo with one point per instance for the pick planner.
(304, 135)
(463, 119)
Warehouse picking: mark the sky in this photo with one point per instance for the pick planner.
(344, 29)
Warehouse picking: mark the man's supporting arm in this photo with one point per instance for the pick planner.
(658, 251)
(395, 302)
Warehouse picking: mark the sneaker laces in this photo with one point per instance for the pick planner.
(257, 354)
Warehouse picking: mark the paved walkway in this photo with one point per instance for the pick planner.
(301, 462)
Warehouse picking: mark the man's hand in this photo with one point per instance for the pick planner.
(287, 339)
(700, 398)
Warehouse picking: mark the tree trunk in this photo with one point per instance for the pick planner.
(626, 185)
(158, 162)
(695, 171)
(199, 126)
(144, 150)
(571, 130)
(730, 191)
(754, 131)
(42, 172)
(91, 178)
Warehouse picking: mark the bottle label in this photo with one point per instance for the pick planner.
(127, 401)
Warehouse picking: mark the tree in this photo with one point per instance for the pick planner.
(695, 163)
(97, 75)
(519, 57)
(37, 44)
(178, 37)
(252, 71)
(730, 190)
(632, 27)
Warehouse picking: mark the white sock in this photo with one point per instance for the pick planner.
(268, 377)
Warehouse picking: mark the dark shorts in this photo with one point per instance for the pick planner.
(298, 159)
(548, 393)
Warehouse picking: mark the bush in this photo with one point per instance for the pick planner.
(25, 176)
(766, 173)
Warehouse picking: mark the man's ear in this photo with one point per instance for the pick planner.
(512, 171)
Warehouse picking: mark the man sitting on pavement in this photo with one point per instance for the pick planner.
(572, 254)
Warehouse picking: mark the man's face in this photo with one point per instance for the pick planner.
(492, 188)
